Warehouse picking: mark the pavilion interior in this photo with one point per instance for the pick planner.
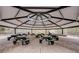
(62, 21)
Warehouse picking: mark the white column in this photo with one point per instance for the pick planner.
(0, 12)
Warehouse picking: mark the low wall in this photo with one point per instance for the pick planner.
(70, 43)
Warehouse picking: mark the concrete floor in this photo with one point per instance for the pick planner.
(35, 47)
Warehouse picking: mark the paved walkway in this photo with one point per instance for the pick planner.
(35, 47)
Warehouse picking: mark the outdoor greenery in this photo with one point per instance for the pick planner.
(69, 31)
(72, 31)
(2, 29)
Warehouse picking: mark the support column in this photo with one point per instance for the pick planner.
(31, 31)
(14, 30)
(62, 32)
(45, 31)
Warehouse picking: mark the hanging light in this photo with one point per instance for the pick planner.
(30, 18)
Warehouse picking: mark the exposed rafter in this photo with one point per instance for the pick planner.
(35, 20)
(10, 23)
(17, 14)
(42, 20)
(61, 15)
(14, 23)
(40, 29)
(31, 17)
(6, 26)
(26, 9)
(63, 18)
(62, 7)
(60, 18)
(21, 8)
(39, 7)
(71, 27)
(38, 26)
(14, 18)
(45, 14)
(23, 23)
(66, 23)
(55, 24)
(18, 17)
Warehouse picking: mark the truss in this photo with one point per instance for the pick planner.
(42, 14)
